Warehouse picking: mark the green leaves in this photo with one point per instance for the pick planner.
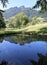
(18, 21)
(42, 4)
(2, 24)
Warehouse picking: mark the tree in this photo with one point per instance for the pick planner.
(20, 20)
(42, 4)
(34, 20)
(4, 2)
(2, 23)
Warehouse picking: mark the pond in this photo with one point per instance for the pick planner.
(23, 50)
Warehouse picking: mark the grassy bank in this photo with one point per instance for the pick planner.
(38, 29)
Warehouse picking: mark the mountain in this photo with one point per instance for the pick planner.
(15, 10)
(28, 11)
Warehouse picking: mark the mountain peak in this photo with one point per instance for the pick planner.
(22, 6)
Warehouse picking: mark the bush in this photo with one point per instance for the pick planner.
(37, 20)
(20, 20)
(34, 20)
(2, 24)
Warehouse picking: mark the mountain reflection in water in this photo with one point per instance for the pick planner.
(16, 50)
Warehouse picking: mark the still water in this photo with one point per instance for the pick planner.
(16, 50)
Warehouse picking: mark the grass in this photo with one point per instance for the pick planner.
(38, 28)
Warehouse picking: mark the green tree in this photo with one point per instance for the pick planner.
(20, 20)
(34, 20)
(2, 24)
(42, 4)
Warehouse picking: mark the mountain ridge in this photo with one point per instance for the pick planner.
(27, 10)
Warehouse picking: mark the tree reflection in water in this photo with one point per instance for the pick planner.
(23, 38)
(42, 60)
(4, 63)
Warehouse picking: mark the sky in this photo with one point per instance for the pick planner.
(18, 3)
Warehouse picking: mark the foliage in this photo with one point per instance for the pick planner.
(33, 29)
(18, 21)
(34, 20)
(2, 23)
(4, 2)
(37, 20)
(42, 4)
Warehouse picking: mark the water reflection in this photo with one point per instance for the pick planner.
(4, 62)
(16, 54)
(42, 60)
(23, 50)
(22, 39)
(1, 39)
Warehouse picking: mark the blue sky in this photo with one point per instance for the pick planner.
(13, 3)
